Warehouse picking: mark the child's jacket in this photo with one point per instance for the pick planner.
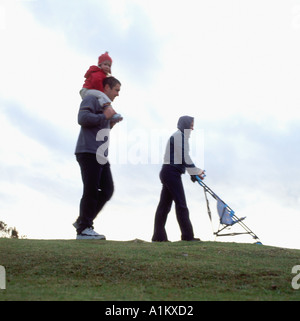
(94, 78)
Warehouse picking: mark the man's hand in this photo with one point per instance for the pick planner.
(109, 112)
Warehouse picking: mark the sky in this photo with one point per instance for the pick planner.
(232, 65)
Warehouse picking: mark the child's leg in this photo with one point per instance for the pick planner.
(82, 92)
(103, 99)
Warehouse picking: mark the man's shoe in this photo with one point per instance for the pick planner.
(90, 234)
(116, 118)
(195, 239)
(192, 240)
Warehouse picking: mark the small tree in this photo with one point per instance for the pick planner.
(6, 231)
(14, 233)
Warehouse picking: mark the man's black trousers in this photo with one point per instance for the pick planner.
(98, 188)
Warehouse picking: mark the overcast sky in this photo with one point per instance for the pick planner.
(233, 65)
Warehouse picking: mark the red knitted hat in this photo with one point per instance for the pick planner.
(103, 58)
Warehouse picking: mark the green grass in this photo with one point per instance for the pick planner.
(108, 270)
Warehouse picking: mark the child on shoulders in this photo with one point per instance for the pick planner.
(93, 84)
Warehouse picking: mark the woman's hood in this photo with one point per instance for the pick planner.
(185, 122)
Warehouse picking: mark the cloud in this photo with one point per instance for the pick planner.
(92, 27)
(36, 153)
(260, 146)
(41, 130)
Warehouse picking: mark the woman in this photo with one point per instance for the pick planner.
(176, 161)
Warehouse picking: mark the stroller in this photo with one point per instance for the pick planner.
(226, 214)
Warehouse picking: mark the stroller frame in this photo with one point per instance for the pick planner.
(226, 209)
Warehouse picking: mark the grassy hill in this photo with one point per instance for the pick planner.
(136, 270)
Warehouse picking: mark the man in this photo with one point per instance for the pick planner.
(96, 176)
